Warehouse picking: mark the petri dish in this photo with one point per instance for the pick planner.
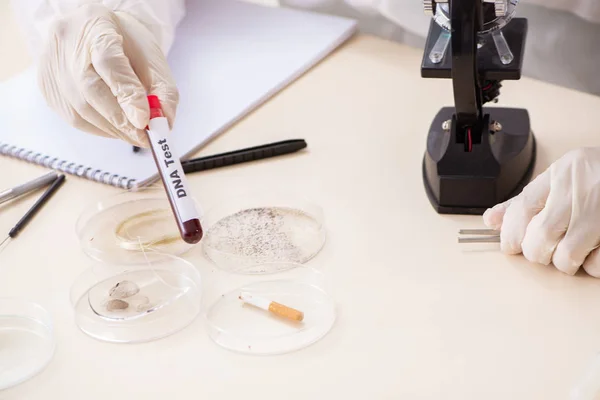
(27, 341)
(134, 304)
(121, 228)
(286, 313)
(259, 232)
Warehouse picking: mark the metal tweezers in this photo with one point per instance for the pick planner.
(485, 236)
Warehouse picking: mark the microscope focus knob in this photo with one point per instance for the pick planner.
(429, 7)
(501, 7)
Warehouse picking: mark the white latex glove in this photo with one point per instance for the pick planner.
(556, 218)
(98, 66)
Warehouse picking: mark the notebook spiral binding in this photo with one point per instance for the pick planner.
(66, 167)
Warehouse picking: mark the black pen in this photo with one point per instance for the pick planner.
(243, 155)
(35, 208)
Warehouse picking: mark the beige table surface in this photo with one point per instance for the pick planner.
(419, 316)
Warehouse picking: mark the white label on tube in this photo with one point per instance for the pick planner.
(171, 169)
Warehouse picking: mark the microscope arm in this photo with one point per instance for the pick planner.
(467, 20)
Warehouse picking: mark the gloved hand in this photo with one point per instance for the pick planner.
(556, 218)
(97, 68)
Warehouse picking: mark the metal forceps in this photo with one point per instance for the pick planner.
(479, 236)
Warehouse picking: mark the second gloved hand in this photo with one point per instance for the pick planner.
(97, 69)
(556, 218)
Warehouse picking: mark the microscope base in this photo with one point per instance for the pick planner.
(497, 168)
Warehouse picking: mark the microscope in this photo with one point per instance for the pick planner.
(476, 156)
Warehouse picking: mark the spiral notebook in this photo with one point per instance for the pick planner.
(227, 59)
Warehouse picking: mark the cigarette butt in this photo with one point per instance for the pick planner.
(273, 307)
(286, 312)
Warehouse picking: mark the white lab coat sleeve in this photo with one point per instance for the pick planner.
(588, 10)
(161, 17)
(408, 13)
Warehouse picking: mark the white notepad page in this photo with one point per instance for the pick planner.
(227, 59)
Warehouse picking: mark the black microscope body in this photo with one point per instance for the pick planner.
(476, 156)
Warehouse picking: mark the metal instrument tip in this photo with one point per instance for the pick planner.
(4, 242)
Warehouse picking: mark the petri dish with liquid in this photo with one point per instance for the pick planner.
(288, 311)
(260, 232)
(132, 304)
(27, 341)
(123, 227)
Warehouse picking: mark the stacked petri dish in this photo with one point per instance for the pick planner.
(272, 302)
(143, 282)
(137, 287)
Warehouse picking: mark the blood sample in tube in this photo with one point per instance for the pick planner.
(172, 175)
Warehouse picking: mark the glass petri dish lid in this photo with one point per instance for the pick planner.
(134, 304)
(261, 232)
(288, 312)
(27, 341)
(120, 229)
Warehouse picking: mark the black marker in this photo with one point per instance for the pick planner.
(35, 208)
(243, 155)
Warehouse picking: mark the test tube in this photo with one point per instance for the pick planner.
(172, 175)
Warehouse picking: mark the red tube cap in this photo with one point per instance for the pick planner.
(153, 101)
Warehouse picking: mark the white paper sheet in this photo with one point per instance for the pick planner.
(228, 58)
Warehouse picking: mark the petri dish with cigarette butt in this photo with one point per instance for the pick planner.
(137, 303)
(289, 311)
(261, 232)
(120, 229)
